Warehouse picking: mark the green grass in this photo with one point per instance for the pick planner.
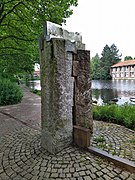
(100, 139)
(123, 115)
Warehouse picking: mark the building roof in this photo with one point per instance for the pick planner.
(124, 63)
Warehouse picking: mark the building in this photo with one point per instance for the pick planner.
(123, 70)
(36, 70)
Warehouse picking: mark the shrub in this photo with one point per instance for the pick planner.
(123, 115)
(10, 92)
(35, 91)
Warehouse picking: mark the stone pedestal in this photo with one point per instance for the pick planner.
(82, 136)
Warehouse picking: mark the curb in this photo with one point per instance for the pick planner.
(124, 163)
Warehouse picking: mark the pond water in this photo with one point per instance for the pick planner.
(105, 91)
(34, 84)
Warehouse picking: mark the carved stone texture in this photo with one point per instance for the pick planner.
(52, 30)
(83, 97)
(57, 94)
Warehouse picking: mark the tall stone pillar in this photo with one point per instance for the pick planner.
(66, 103)
(83, 117)
(57, 94)
(83, 99)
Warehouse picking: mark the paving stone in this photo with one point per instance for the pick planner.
(93, 176)
(99, 173)
(47, 175)
(80, 178)
(28, 176)
(72, 170)
(76, 174)
(35, 178)
(60, 171)
(87, 172)
(106, 177)
(125, 174)
(87, 178)
(4, 176)
(62, 175)
(111, 175)
(68, 175)
(105, 171)
(54, 175)
(67, 170)
(93, 170)
(117, 178)
(132, 176)
(82, 173)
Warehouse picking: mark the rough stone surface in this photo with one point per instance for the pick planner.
(54, 30)
(83, 100)
(57, 95)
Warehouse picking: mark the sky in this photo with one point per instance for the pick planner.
(102, 22)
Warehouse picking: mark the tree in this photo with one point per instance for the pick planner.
(109, 57)
(128, 58)
(115, 57)
(95, 67)
(101, 66)
(21, 22)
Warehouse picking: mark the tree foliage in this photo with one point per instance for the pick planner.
(21, 22)
(101, 66)
(95, 65)
(128, 58)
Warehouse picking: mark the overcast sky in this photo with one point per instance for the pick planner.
(104, 22)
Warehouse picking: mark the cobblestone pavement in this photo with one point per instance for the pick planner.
(22, 158)
(114, 139)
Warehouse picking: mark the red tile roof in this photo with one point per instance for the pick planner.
(124, 63)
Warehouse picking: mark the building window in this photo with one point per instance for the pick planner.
(132, 74)
(121, 74)
(127, 74)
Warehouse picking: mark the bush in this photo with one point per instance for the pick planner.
(35, 91)
(123, 115)
(10, 92)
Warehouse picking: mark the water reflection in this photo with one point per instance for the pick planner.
(35, 84)
(104, 91)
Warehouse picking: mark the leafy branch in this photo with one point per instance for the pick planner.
(10, 11)
(15, 37)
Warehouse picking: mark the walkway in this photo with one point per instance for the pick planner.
(22, 158)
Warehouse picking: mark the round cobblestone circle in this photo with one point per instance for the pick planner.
(22, 158)
(114, 139)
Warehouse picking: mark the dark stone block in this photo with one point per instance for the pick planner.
(75, 68)
(81, 136)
